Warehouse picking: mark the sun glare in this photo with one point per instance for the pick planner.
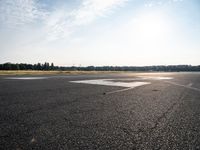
(152, 26)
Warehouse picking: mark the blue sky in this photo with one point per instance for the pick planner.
(100, 32)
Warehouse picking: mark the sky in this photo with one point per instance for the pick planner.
(100, 32)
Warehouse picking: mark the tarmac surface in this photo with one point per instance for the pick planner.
(102, 111)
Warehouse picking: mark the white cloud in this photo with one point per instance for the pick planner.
(19, 12)
(90, 9)
(58, 23)
(151, 3)
(61, 24)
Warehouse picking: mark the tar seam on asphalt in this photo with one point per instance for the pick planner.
(185, 86)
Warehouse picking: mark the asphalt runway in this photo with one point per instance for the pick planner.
(102, 111)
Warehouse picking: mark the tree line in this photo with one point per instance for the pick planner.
(50, 66)
(24, 66)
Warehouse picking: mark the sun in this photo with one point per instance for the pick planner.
(152, 26)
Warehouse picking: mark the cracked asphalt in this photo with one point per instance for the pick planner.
(53, 113)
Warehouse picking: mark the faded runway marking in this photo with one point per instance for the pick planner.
(118, 82)
(110, 82)
(117, 91)
(190, 84)
(185, 86)
(155, 78)
(26, 78)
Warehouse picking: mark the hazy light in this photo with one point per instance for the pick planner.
(152, 26)
(100, 32)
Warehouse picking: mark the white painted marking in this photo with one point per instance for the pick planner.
(109, 82)
(190, 84)
(156, 78)
(185, 86)
(26, 78)
(122, 90)
(128, 85)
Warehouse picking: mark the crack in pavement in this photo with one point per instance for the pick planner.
(149, 131)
